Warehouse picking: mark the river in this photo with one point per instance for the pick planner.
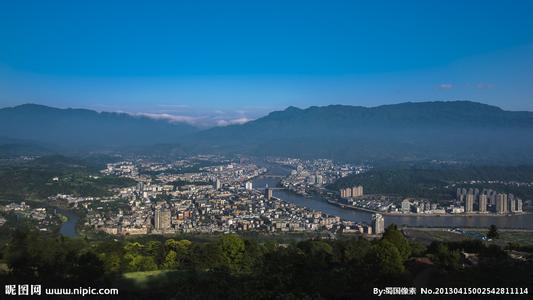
(68, 228)
(316, 202)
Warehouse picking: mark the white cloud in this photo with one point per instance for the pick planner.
(199, 121)
(446, 86)
(170, 118)
(241, 120)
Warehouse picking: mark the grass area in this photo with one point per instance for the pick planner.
(3, 267)
(157, 278)
(427, 236)
(523, 238)
(145, 276)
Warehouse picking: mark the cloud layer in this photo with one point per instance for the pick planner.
(197, 121)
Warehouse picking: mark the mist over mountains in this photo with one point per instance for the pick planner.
(457, 130)
(79, 129)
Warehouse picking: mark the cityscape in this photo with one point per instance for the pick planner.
(266, 149)
(471, 201)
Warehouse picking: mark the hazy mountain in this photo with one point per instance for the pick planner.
(409, 131)
(10, 147)
(83, 129)
(458, 130)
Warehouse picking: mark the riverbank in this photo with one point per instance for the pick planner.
(506, 236)
(320, 203)
(68, 227)
(425, 214)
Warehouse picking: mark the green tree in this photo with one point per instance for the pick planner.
(182, 249)
(171, 260)
(443, 256)
(205, 256)
(112, 261)
(232, 249)
(493, 232)
(387, 258)
(395, 236)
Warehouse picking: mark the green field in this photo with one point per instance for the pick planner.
(142, 278)
(429, 235)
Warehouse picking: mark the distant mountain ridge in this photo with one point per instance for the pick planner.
(406, 131)
(85, 129)
(453, 130)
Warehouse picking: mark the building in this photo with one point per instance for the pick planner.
(268, 193)
(248, 185)
(140, 187)
(501, 203)
(319, 180)
(346, 193)
(162, 219)
(461, 194)
(483, 203)
(218, 184)
(378, 224)
(406, 205)
(357, 191)
(518, 205)
(469, 203)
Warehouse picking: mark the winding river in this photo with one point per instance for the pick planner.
(68, 228)
(316, 202)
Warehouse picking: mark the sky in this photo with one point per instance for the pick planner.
(223, 62)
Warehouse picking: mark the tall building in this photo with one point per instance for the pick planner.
(483, 203)
(268, 193)
(319, 179)
(140, 187)
(357, 191)
(162, 219)
(406, 205)
(346, 193)
(518, 205)
(249, 185)
(501, 203)
(218, 184)
(378, 224)
(511, 207)
(469, 203)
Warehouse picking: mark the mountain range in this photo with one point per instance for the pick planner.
(79, 129)
(453, 130)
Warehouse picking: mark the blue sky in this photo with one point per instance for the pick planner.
(219, 62)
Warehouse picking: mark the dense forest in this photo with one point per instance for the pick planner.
(231, 267)
(439, 182)
(51, 175)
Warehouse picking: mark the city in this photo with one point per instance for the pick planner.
(266, 149)
(217, 198)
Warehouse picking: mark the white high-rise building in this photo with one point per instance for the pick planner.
(482, 203)
(518, 205)
(469, 203)
(162, 219)
(357, 191)
(406, 205)
(378, 224)
(248, 185)
(501, 203)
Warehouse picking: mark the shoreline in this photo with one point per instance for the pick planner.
(394, 214)
(435, 228)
